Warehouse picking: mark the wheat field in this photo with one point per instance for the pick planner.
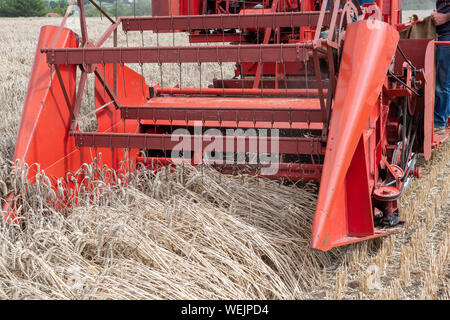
(196, 234)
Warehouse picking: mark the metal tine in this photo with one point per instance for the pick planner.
(200, 76)
(189, 20)
(123, 78)
(221, 75)
(161, 74)
(299, 5)
(305, 62)
(134, 8)
(242, 73)
(157, 34)
(104, 87)
(157, 41)
(205, 29)
(87, 91)
(285, 77)
(68, 72)
(261, 81)
(180, 71)
(140, 62)
(51, 78)
(171, 18)
(292, 26)
(220, 64)
(240, 43)
(142, 79)
(277, 64)
(159, 62)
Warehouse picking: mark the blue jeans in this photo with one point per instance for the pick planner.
(442, 105)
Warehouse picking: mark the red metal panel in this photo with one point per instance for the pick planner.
(228, 103)
(358, 195)
(415, 50)
(44, 100)
(357, 93)
(165, 7)
(237, 53)
(178, 109)
(190, 7)
(421, 54)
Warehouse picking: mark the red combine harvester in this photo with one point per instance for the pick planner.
(324, 89)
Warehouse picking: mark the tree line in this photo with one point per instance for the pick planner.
(39, 8)
(419, 4)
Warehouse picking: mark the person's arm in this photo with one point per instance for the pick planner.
(440, 18)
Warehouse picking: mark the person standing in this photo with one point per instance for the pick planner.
(441, 18)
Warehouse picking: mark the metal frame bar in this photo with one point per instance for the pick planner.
(78, 100)
(84, 33)
(63, 88)
(102, 11)
(223, 21)
(237, 114)
(108, 32)
(239, 92)
(291, 82)
(320, 85)
(286, 145)
(108, 89)
(187, 54)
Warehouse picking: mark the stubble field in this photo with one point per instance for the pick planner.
(194, 234)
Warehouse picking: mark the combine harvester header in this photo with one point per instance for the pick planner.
(324, 89)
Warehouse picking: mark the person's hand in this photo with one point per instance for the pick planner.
(439, 18)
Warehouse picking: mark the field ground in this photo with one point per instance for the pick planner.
(420, 13)
(196, 234)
